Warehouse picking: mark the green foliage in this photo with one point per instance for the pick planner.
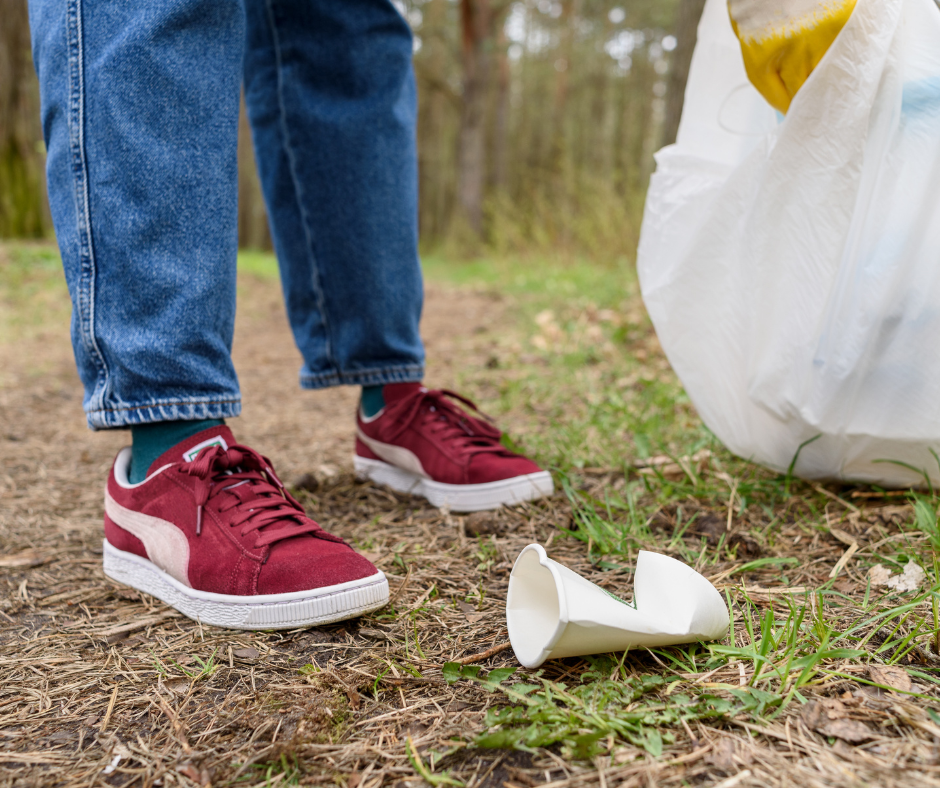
(579, 718)
(926, 519)
(590, 217)
(206, 667)
(426, 771)
(786, 652)
(580, 381)
(22, 208)
(454, 671)
(615, 525)
(283, 771)
(780, 653)
(573, 107)
(23, 212)
(572, 98)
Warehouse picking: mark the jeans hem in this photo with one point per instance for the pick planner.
(171, 410)
(413, 373)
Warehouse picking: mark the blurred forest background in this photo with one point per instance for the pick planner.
(538, 123)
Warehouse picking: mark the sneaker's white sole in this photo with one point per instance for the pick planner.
(268, 611)
(457, 497)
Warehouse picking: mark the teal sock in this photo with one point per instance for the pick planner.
(372, 400)
(151, 440)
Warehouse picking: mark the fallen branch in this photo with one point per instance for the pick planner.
(483, 654)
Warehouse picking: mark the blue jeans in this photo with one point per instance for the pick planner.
(140, 109)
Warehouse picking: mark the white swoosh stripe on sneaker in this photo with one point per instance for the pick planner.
(394, 455)
(165, 543)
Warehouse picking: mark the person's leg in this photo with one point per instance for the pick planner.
(140, 112)
(331, 97)
(140, 117)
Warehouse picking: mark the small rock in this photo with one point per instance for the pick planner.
(307, 482)
(246, 653)
(710, 526)
(327, 471)
(747, 546)
(483, 524)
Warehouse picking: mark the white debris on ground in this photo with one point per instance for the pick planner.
(909, 580)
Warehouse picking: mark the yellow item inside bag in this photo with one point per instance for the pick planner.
(783, 40)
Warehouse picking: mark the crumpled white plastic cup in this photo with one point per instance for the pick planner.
(552, 612)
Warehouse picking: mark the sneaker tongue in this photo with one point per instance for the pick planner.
(186, 450)
(392, 392)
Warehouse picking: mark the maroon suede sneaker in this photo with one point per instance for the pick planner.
(422, 443)
(212, 532)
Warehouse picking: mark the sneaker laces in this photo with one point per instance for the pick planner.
(257, 497)
(441, 417)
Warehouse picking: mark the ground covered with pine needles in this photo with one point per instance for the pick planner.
(829, 677)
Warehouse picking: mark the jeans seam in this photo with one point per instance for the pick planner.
(295, 179)
(325, 379)
(117, 418)
(79, 166)
(167, 403)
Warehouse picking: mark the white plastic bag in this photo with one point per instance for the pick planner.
(791, 266)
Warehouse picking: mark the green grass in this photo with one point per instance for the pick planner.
(33, 296)
(260, 264)
(786, 653)
(606, 703)
(600, 396)
(585, 361)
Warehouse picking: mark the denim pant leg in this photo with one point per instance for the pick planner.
(140, 117)
(331, 97)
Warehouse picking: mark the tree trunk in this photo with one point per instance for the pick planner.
(23, 211)
(253, 232)
(501, 124)
(476, 29)
(569, 15)
(435, 149)
(690, 12)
